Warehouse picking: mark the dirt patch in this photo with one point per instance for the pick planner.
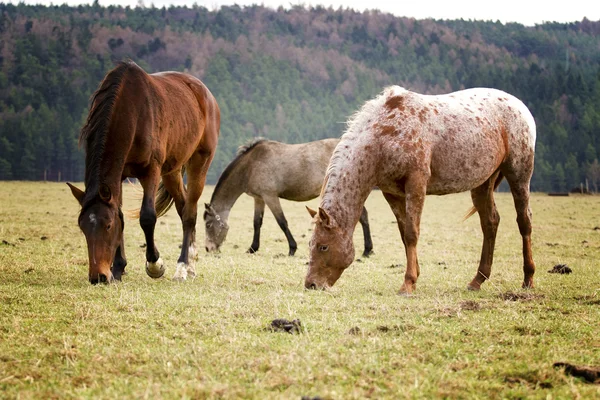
(590, 374)
(525, 296)
(470, 305)
(395, 328)
(283, 325)
(560, 269)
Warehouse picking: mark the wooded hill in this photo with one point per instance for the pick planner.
(290, 75)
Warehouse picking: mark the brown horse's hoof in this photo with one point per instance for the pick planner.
(156, 269)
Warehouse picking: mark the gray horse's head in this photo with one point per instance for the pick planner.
(216, 229)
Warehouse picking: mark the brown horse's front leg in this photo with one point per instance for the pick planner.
(415, 199)
(154, 264)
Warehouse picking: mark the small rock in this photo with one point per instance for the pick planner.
(44, 238)
(355, 330)
(283, 325)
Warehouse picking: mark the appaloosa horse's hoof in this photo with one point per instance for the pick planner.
(155, 269)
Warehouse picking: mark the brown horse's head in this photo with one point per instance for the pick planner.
(216, 229)
(102, 224)
(331, 251)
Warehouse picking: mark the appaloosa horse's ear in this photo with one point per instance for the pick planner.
(77, 193)
(209, 209)
(324, 217)
(311, 211)
(105, 193)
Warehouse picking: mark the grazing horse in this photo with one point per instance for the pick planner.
(412, 145)
(146, 127)
(269, 170)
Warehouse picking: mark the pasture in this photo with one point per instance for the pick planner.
(61, 337)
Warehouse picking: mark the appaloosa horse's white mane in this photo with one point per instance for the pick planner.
(356, 124)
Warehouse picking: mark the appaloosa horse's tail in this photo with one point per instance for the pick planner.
(473, 210)
(164, 200)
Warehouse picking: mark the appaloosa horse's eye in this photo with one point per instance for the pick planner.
(323, 248)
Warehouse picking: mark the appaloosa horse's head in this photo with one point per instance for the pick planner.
(331, 251)
(216, 229)
(101, 222)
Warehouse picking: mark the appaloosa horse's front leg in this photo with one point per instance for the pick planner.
(483, 200)
(154, 264)
(275, 207)
(197, 169)
(364, 222)
(259, 212)
(415, 190)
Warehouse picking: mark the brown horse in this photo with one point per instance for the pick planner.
(146, 127)
(269, 170)
(412, 145)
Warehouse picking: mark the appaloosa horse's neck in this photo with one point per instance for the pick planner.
(349, 180)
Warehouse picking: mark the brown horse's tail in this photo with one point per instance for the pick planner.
(473, 210)
(164, 200)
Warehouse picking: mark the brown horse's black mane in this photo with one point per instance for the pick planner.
(93, 133)
(242, 151)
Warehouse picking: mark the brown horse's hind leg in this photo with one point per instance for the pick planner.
(275, 207)
(520, 192)
(483, 200)
(364, 222)
(197, 169)
(154, 264)
(259, 212)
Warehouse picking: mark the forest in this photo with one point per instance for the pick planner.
(292, 75)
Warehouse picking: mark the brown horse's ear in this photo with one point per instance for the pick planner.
(311, 211)
(105, 193)
(77, 193)
(324, 217)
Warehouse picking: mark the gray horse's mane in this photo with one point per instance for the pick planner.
(249, 145)
(242, 150)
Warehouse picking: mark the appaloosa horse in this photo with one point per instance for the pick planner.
(147, 127)
(412, 145)
(268, 170)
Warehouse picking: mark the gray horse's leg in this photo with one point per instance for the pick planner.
(259, 212)
(364, 222)
(275, 207)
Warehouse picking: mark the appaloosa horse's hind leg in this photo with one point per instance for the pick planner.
(259, 212)
(364, 222)
(197, 169)
(275, 207)
(483, 200)
(154, 264)
(519, 186)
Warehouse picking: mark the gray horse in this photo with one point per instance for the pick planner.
(268, 170)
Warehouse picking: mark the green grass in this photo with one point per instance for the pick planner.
(61, 337)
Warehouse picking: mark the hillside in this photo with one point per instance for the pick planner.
(290, 75)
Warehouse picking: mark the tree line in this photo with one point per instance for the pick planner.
(292, 75)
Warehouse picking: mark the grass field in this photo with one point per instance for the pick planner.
(61, 337)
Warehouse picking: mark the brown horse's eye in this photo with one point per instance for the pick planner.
(108, 227)
(323, 247)
(208, 224)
